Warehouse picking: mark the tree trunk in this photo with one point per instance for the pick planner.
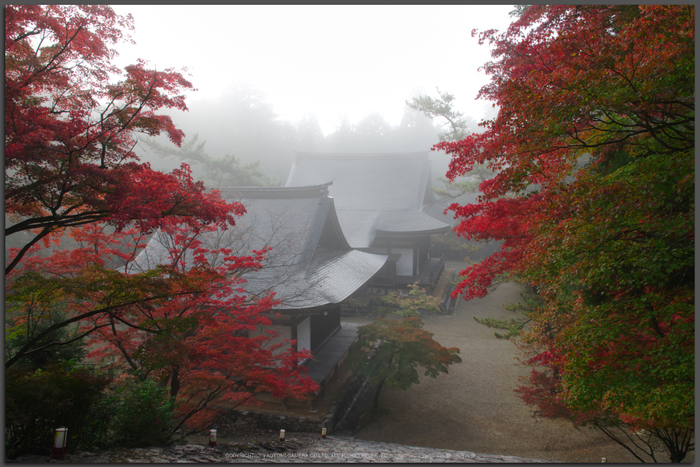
(678, 442)
(174, 382)
(375, 404)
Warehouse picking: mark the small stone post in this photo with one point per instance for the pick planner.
(59, 444)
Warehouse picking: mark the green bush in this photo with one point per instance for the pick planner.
(144, 415)
(17, 336)
(136, 414)
(39, 401)
(98, 432)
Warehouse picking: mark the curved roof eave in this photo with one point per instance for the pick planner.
(444, 229)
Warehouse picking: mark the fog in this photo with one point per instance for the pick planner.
(274, 79)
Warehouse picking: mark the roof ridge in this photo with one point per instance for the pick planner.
(351, 155)
(309, 191)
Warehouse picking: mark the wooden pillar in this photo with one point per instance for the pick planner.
(416, 251)
(294, 333)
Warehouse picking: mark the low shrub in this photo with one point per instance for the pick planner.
(132, 414)
(143, 414)
(39, 401)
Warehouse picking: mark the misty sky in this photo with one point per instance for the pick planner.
(329, 60)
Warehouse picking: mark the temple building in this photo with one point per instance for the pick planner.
(380, 201)
(310, 268)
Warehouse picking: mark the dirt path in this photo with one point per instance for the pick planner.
(474, 408)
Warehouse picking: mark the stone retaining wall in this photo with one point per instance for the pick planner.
(345, 413)
(238, 419)
(349, 407)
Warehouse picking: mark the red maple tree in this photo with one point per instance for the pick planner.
(71, 121)
(185, 324)
(593, 198)
(71, 118)
(199, 343)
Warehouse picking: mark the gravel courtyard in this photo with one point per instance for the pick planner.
(474, 408)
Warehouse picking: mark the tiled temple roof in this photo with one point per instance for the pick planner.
(310, 264)
(372, 192)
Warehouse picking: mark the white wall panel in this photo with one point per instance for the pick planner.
(304, 334)
(404, 267)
